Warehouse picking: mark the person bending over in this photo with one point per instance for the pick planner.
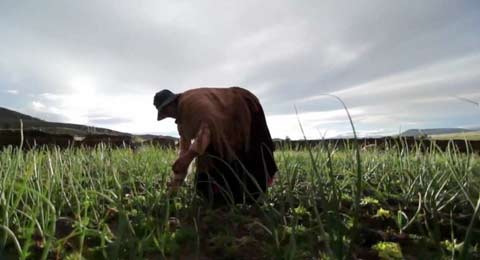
(226, 130)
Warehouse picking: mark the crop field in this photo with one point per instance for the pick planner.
(326, 203)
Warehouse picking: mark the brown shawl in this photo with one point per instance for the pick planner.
(226, 111)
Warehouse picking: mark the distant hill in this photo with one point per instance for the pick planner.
(471, 136)
(434, 131)
(7, 115)
(10, 120)
(150, 137)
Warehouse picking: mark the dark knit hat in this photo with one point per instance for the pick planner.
(163, 98)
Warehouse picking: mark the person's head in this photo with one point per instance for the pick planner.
(166, 103)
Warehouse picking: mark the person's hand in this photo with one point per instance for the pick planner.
(181, 164)
(271, 180)
(180, 168)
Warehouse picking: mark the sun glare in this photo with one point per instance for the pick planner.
(84, 86)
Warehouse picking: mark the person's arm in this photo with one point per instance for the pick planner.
(184, 145)
(179, 170)
(188, 151)
(202, 140)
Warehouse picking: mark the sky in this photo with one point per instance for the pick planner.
(397, 65)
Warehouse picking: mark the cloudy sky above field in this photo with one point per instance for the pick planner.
(396, 64)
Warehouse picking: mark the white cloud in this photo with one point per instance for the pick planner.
(394, 64)
(315, 124)
(421, 79)
(123, 112)
(38, 106)
(12, 91)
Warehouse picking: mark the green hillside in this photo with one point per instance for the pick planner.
(10, 120)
